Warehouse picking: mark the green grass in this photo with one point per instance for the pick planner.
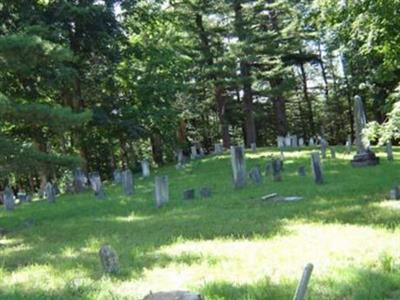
(230, 246)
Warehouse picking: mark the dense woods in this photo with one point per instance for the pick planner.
(104, 84)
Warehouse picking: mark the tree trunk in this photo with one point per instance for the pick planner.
(221, 108)
(279, 106)
(156, 147)
(307, 99)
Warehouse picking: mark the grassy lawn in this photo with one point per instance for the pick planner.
(230, 246)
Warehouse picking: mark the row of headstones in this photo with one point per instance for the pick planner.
(275, 166)
(293, 141)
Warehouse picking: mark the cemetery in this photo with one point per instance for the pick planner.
(199, 150)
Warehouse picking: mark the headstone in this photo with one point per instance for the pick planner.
(255, 175)
(145, 168)
(180, 158)
(238, 166)
(333, 153)
(324, 146)
(161, 190)
(302, 171)
(253, 147)
(117, 176)
(188, 194)
(127, 182)
(302, 286)
(218, 149)
(280, 141)
(395, 193)
(193, 154)
(22, 197)
(8, 198)
(276, 170)
(95, 182)
(268, 168)
(173, 295)
(202, 153)
(389, 151)
(79, 181)
(294, 141)
(28, 198)
(365, 156)
(311, 142)
(348, 144)
(205, 192)
(301, 142)
(288, 140)
(49, 192)
(316, 168)
(56, 189)
(109, 259)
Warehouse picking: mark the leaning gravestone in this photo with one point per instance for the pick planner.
(127, 182)
(255, 175)
(173, 295)
(238, 166)
(205, 192)
(365, 156)
(109, 259)
(145, 168)
(50, 194)
(333, 153)
(324, 146)
(80, 180)
(189, 194)
(161, 190)
(8, 198)
(316, 168)
(218, 149)
(302, 171)
(95, 182)
(276, 170)
(193, 154)
(117, 176)
(389, 151)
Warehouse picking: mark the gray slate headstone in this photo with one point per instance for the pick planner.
(302, 171)
(253, 147)
(79, 181)
(49, 192)
(348, 144)
(238, 166)
(22, 197)
(389, 151)
(268, 168)
(280, 141)
(255, 175)
(145, 168)
(395, 193)
(324, 146)
(109, 259)
(127, 182)
(276, 170)
(189, 194)
(193, 152)
(97, 187)
(301, 142)
(161, 190)
(117, 176)
(311, 142)
(205, 192)
(218, 149)
(316, 168)
(173, 295)
(8, 198)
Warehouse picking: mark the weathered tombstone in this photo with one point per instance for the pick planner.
(56, 189)
(193, 154)
(8, 198)
(205, 192)
(276, 170)
(109, 259)
(22, 197)
(255, 175)
(389, 151)
(145, 168)
(316, 168)
(288, 140)
(127, 182)
(302, 171)
(365, 156)
(294, 141)
(253, 147)
(268, 168)
(218, 149)
(173, 295)
(311, 142)
(95, 182)
(302, 286)
(28, 198)
(49, 192)
(395, 193)
(117, 176)
(301, 142)
(180, 158)
(238, 166)
(280, 141)
(324, 146)
(333, 153)
(80, 180)
(161, 190)
(189, 194)
(202, 153)
(348, 144)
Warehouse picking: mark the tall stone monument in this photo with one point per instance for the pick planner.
(238, 166)
(364, 156)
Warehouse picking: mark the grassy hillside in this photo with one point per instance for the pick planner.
(230, 246)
